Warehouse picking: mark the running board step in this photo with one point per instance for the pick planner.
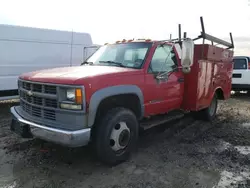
(155, 121)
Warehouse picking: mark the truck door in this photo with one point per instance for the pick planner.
(169, 88)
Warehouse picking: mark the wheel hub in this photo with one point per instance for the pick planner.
(120, 136)
(124, 138)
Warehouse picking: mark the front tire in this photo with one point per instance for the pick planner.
(116, 136)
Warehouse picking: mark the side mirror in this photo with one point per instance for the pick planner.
(187, 55)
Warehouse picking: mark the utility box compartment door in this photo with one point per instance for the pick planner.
(205, 86)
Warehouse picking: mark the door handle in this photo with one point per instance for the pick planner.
(180, 80)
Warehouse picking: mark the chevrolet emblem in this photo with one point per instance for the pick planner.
(30, 93)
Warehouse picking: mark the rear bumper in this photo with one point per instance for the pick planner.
(63, 137)
(241, 86)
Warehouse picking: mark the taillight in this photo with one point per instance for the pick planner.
(248, 65)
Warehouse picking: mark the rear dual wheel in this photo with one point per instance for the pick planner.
(208, 113)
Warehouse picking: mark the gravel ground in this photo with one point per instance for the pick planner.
(184, 153)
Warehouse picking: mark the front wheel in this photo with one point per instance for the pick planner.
(116, 136)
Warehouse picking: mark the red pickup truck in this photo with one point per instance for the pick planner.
(121, 88)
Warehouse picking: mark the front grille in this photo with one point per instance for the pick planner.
(38, 100)
(50, 89)
(36, 87)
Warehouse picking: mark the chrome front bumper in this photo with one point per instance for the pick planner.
(63, 137)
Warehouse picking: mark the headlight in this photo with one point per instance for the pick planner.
(74, 95)
(74, 99)
(71, 94)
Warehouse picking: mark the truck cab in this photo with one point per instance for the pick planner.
(121, 88)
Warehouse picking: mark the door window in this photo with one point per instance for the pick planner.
(164, 60)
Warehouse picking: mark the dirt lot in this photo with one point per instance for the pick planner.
(185, 153)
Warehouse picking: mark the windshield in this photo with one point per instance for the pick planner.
(131, 55)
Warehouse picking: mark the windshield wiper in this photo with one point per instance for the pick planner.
(113, 62)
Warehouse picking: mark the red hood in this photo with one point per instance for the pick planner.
(68, 75)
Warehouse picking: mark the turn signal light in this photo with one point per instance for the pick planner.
(78, 96)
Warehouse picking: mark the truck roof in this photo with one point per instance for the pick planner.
(238, 57)
(124, 41)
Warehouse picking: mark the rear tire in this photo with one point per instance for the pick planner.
(116, 136)
(209, 113)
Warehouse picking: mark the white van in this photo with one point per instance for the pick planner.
(25, 49)
(241, 73)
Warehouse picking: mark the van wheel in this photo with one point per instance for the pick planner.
(116, 136)
(208, 113)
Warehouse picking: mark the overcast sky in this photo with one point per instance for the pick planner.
(110, 20)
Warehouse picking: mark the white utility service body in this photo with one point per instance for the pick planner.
(241, 73)
(25, 49)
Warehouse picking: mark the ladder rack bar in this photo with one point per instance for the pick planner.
(202, 26)
(232, 41)
(203, 36)
(216, 40)
(185, 35)
(179, 32)
(213, 39)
